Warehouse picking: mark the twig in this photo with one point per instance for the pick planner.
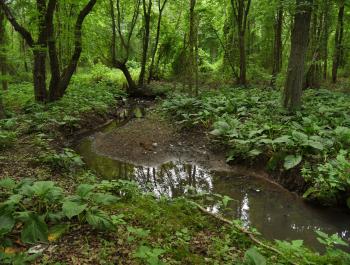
(243, 230)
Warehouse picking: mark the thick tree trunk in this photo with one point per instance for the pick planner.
(277, 47)
(39, 75)
(299, 45)
(60, 82)
(132, 88)
(147, 21)
(338, 46)
(3, 57)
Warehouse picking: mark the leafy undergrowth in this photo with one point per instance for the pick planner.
(117, 224)
(314, 141)
(54, 211)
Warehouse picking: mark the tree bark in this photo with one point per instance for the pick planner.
(299, 45)
(240, 12)
(277, 50)
(125, 43)
(155, 49)
(338, 45)
(58, 89)
(3, 57)
(147, 9)
(192, 43)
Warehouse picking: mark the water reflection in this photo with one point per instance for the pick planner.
(277, 214)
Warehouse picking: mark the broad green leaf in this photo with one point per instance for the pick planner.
(98, 219)
(84, 189)
(34, 230)
(71, 209)
(253, 257)
(7, 222)
(292, 161)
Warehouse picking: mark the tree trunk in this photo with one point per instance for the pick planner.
(132, 88)
(338, 46)
(325, 38)
(242, 60)
(39, 75)
(3, 57)
(299, 45)
(240, 10)
(192, 40)
(277, 51)
(59, 83)
(147, 21)
(155, 49)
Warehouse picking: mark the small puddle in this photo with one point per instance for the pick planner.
(275, 212)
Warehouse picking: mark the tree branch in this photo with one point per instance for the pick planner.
(20, 29)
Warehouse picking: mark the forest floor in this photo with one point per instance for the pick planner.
(54, 210)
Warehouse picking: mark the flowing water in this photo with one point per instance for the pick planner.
(275, 212)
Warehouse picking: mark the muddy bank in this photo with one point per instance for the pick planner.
(165, 161)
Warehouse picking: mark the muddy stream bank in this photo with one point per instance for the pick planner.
(166, 162)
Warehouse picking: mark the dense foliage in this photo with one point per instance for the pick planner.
(252, 124)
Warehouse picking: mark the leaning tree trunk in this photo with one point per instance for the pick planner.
(338, 41)
(60, 82)
(299, 45)
(277, 47)
(3, 59)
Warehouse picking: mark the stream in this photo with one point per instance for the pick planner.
(275, 212)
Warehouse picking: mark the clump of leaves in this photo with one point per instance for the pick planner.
(253, 124)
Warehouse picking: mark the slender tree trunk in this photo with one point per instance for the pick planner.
(299, 45)
(277, 51)
(3, 57)
(240, 11)
(338, 46)
(147, 9)
(242, 60)
(192, 40)
(132, 88)
(155, 49)
(325, 38)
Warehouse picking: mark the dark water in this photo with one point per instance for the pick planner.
(275, 212)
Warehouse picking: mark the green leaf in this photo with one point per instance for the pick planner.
(315, 144)
(105, 198)
(71, 209)
(8, 184)
(292, 161)
(253, 257)
(84, 189)
(98, 219)
(7, 222)
(34, 230)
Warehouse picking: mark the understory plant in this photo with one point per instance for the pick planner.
(252, 123)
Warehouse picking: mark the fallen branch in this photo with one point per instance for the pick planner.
(243, 230)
